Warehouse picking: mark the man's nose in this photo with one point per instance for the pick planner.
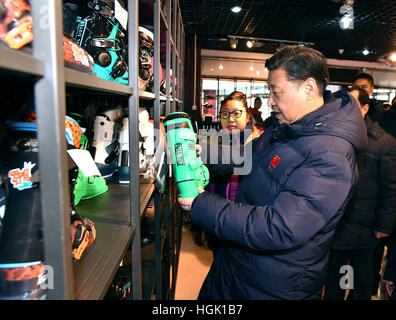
(270, 102)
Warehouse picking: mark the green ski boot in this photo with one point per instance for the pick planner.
(87, 187)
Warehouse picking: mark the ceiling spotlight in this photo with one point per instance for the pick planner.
(249, 44)
(233, 43)
(346, 22)
(365, 52)
(236, 8)
(221, 67)
(389, 58)
(251, 68)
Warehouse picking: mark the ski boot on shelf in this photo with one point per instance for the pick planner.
(87, 134)
(15, 23)
(146, 130)
(2, 204)
(21, 242)
(105, 145)
(85, 187)
(83, 234)
(102, 36)
(146, 58)
(123, 159)
(73, 132)
(76, 57)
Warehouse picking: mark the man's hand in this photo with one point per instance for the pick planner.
(185, 203)
(379, 235)
(198, 148)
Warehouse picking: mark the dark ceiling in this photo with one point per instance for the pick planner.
(314, 21)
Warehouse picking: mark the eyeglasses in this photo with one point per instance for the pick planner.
(235, 114)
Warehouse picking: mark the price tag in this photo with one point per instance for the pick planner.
(84, 161)
(121, 15)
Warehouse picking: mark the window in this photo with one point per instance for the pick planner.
(245, 86)
(385, 95)
(225, 88)
(209, 97)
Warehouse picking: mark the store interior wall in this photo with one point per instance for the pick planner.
(192, 76)
(225, 68)
(251, 66)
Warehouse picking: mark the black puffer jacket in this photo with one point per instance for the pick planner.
(373, 206)
(282, 223)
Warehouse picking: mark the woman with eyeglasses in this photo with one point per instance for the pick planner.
(235, 117)
(240, 125)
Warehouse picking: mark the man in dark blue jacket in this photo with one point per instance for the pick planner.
(303, 170)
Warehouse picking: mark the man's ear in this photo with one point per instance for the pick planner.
(310, 88)
(365, 109)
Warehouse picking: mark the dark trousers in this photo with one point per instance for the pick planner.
(361, 262)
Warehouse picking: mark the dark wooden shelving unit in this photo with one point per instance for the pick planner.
(117, 213)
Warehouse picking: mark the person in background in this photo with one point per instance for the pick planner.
(366, 82)
(257, 104)
(303, 170)
(371, 213)
(385, 120)
(388, 119)
(236, 122)
(256, 114)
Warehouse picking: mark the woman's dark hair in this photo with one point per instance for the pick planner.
(301, 63)
(236, 95)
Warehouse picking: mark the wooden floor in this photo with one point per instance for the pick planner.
(194, 264)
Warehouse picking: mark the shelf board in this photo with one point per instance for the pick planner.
(164, 98)
(148, 271)
(110, 214)
(20, 62)
(96, 269)
(94, 275)
(146, 191)
(146, 95)
(171, 99)
(83, 80)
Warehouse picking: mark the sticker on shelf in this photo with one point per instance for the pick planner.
(121, 15)
(21, 178)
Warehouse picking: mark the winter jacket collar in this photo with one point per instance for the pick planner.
(339, 116)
